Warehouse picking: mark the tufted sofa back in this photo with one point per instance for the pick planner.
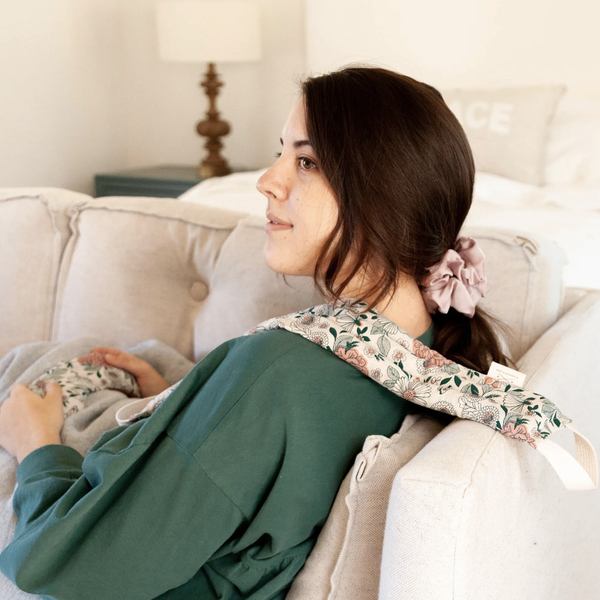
(130, 269)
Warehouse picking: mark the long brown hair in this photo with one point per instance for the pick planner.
(402, 171)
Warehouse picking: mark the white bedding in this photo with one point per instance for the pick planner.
(567, 215)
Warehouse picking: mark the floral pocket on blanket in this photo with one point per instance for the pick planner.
(82, 376)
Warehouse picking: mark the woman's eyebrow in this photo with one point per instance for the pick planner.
(298, 144)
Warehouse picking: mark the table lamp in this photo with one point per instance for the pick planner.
(209, 31)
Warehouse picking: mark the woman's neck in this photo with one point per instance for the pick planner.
(405, 307)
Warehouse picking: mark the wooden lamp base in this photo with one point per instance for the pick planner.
(214, 165)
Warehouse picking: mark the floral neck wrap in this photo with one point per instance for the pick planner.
(379, 349)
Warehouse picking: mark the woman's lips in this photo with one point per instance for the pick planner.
(275, 226)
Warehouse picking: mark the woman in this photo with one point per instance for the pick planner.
(221, 493)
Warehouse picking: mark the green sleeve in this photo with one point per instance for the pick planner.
(130, 521)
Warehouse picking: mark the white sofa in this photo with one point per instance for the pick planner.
(471, 514)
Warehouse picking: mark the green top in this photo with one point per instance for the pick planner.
(221, 493)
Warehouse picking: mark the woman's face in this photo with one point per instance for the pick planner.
(302, 209)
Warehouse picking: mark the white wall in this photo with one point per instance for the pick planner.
(82, 89)
(59, 90)
(461, 43)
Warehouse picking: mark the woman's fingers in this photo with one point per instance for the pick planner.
(54, 392)
(118, 358)
(149, 380)
(105, 349)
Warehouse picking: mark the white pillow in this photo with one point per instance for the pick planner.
(574, 144)
(508, 128)
(235, 192)
(506, 192)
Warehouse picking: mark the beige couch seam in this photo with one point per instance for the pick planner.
(82, 208)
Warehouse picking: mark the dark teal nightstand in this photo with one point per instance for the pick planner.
(166, 181)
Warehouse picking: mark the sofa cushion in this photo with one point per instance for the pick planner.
(137, 269)
(34, 231)
(141, 268)
(345, 562)
(525, 273)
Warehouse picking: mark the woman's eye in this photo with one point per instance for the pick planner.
(306, 163)
(278, 154)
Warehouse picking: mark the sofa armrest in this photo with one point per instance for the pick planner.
(572, 296)
(474, 502)
(563, 360)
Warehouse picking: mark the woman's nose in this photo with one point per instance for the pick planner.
(272, 183)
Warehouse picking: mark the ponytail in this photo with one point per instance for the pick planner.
(472, 342)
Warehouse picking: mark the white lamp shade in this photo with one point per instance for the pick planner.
(208, 30)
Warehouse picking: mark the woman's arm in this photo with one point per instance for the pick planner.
(130, 521)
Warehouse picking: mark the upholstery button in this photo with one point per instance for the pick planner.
(199, 290)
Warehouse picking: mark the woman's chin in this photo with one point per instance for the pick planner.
(285, 265)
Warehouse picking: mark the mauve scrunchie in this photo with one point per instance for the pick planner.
(458, 280)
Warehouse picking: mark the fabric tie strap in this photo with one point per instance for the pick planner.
(379, 349)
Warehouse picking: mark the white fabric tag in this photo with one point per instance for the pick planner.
(506, 375)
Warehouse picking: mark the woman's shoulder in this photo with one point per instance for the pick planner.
(281, 347)
(275, 343)
(299, 368)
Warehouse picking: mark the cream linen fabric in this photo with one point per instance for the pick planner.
(345, 563)
(570, 347)
(462, 521)
(508, 128)
(142, 265)
(33, 231)
(526, 277)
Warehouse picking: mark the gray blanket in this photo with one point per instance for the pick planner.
(81, 430)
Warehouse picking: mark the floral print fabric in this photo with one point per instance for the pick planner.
(82, 376)
(379, 349)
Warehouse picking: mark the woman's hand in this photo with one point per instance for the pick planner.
(28, 422)
(150, 381)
